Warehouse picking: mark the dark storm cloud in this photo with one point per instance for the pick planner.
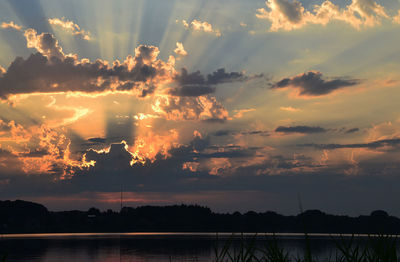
(215, 120)
(300, 129)
(223, 133)
(291, 10)
(160, 173)
(274, 176)
(192, 90)
(228, 154)
(371, 145)
(50, 71)
(313, 84)
(231, 132)
(226, 147)
(196, 84)
(117, 158)
(256, 132)
(113, 168)
(218, 77)
(352, 130)
(352, 194)
(35, 74)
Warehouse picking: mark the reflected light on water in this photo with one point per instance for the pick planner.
(147, 246)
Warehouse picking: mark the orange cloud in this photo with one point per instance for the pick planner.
(52, 71)
(239, 113)
(78, 112)
(384, 131)
(218, 165)
(396, 19)
(70, 27)
(44, 43)
(197, 25)
(290, 109)
(146, 147)
(150, 145)
(11, 25)
(190, 108)
(180, 50)
(191, 166)
(290, 15)
(141, 116)
(40, 149)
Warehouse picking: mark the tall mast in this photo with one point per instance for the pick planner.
(121, 199)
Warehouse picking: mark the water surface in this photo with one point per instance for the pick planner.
(140, 247)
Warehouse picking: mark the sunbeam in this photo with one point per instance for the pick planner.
(198, 96)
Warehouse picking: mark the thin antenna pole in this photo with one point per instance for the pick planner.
(120, 223)
(121, 199)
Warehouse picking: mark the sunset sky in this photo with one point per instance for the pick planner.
(234, 104)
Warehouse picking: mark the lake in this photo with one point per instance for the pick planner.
(138, 247)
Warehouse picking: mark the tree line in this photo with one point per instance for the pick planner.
(28, 217)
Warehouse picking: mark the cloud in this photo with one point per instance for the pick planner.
(51, 71)
(70, 27)
(11, 25)
(2, 71)
(192, 90)
(239, 113)
(14, 132)
(352, 130)
(371, 145)
(182, 96)
(141, 116)
(193, 166)
(180, 50)
(222, 133)
(220, 76)
(300, 129)
(196, 84)
(99, 140)
(197, 25)
(231, 132)
(256, 132)
(289, 109)
(44, 43)
(313, 84)
(396, 19)
(290, 15)
(149, 152)
(47, 151)
(180, 108)
(38, 150)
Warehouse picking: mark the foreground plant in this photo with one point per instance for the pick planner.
(381, 248)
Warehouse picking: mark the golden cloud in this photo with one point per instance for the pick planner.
(70, 27)
(290, 15)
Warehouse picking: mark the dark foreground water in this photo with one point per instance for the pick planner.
(143, 247)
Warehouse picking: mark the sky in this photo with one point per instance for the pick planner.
(233, 104)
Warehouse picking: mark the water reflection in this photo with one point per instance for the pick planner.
(140, 247)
